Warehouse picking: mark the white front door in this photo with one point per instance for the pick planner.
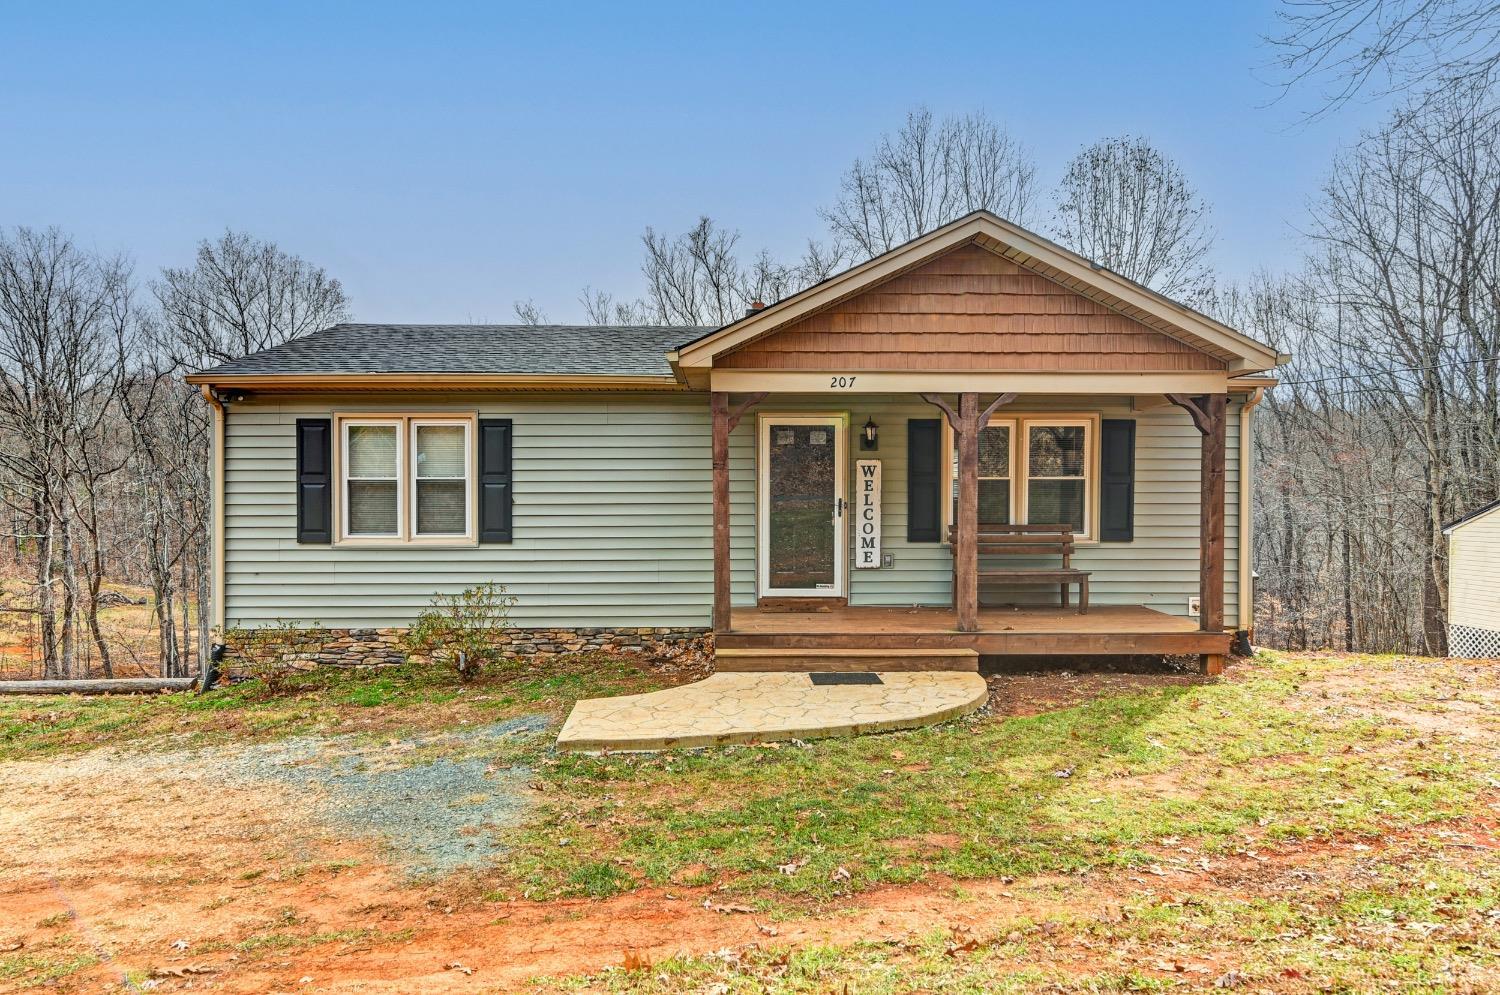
(802, 514)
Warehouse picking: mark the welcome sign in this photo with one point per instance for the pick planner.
(867, 514)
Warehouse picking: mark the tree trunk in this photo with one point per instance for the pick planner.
(46, 600)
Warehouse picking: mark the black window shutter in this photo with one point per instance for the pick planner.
(314, 480)
(1117, 480)
(495, 494)
(924, 480)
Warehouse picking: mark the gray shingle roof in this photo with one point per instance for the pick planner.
(583, 350)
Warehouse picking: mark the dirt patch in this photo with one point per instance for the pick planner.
(1053, 690)
(350, 923)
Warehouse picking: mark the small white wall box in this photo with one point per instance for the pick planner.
(1194, 607)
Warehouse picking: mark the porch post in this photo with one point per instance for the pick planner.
(1210, 416)
(724, 421)
(1211, 541)
(966, 552)
(719, 406)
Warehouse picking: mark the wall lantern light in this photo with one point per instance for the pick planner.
(869, 438)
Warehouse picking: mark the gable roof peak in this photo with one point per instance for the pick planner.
(1025, 248)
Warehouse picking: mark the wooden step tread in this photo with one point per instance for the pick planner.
(860, 660)
(835, 651)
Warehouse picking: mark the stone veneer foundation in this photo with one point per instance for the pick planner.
(307, 648)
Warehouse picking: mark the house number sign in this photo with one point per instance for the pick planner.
(867, 514)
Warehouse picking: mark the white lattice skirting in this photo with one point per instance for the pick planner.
(1469, 643)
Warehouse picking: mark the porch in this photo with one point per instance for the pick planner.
(795, 588)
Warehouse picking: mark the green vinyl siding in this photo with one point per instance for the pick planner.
(613, 515)
(613, 522)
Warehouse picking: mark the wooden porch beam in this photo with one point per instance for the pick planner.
(1210, 415)
(1195, 410)
(724, 421)
(744, 406)
(937, 401)
(965, 548)
(966, 423)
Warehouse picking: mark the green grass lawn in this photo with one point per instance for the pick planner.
(1374, 760)
(397, 700)
(1097, 785)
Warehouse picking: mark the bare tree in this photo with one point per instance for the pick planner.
(927, 174)
(242, 296)
(1389, 46)
(1388, 424)
(62, 319)
(601, 308)
(527, 313)
(696, 278)
(1125, 205)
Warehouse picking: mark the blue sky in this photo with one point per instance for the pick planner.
(445, 159)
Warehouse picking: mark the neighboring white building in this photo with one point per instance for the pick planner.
(1474, 584)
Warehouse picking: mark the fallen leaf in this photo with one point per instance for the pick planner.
(456, 966)
(842, 874)
(792, 866)
(1065, 772)
(179, 944)
(725, 909)
(185, 971)
(634, 960)
(768, 930)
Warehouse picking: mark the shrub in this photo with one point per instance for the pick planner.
(462, 628)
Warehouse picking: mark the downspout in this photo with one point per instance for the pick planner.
(220, 419)
(1245, 594)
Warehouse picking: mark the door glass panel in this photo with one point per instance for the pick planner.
(800, 493)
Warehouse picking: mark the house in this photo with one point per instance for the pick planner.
(1474, 584)
(808, 482)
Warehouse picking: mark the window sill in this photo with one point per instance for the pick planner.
(455, 543)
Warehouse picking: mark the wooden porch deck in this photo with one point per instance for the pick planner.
(1115, 630)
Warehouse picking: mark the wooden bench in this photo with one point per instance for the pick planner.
(1027, 540)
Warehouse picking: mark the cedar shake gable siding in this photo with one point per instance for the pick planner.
(969, 309)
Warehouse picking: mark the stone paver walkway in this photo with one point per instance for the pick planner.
(759, 707)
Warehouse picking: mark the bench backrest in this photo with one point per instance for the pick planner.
(1021, 540)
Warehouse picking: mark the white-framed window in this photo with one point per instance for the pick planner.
(441, 479)
(372, 479)
(406, 478)
(1034, 468)
(1059, 473)
(997, 474)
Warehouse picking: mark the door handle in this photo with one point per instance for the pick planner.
(839, 508)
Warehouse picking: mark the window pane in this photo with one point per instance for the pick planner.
(1055, 450)
(440, 451)
(372, 451)
(994, 451)
(440, 507)
(994, 502)
(372, 507)
(1055, 502)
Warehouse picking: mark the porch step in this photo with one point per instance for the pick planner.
(838, 659)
